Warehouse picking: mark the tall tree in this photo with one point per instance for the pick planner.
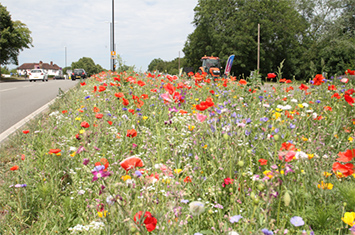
(14, 37)
(230, 27)
(88, 65)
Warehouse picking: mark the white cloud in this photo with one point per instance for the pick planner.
(144, 29)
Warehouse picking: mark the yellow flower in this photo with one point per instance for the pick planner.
(301, 106)
(197, 99)
(58, 154)
(217, 95)
(336, 136)
(351, 139)
(310, 156)
(277, 115)
(77, 118)
(325, 185)
(102, 214)
(194, 112)
(177, 171)
(349, 218)
(235, 97)
(268, 174)
(327, 174)
(73, 154)
(191, 128)
(82, 131)
(145, 117)
(282, 172)
(304, 139)
(278, 110)
(126, 177)
(166, 181)
(205, 146)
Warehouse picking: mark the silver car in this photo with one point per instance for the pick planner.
(38, 74)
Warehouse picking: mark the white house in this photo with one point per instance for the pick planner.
(51, 69)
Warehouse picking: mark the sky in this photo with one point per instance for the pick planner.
(144, 30)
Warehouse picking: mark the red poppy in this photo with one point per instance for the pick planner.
(25, 131)
(287, 146)
(262, 161)
(131, 133)
(95, 88)
(332, 88)
(328, 108)
(144, 96)
(212, 91)
(150, 222)
(131, 162)
(14, 168)
(318, 79)
(346, 156)
(85, 125)
(169, 88)
(349, 99)
(336, 95)
(125, 102)
(23, 157)
(64, 111)
(350, 72)
(99, 115)
(131, 111)
(82, 84)
(271, 75)
(283, 80)
(345, 169)
(96, 110)
(102, 88)
(289, 89)
(153, 90)
(117, 79)
(288, 81)
(109, 122)
(141, 83)
(55, 151)
(187, 179)
(119, 94)
(303, 87)
(182, 111)
(242, 82)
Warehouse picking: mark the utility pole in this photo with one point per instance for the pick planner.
(113, 33)
(258, 63)
(65, 57)
(179, 61)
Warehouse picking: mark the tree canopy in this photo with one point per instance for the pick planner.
(14, 37)
(171, 67)
(310, 35)
(88, 65)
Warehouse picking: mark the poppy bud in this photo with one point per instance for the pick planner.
(241, 163)
(276, 137)
(287, 199)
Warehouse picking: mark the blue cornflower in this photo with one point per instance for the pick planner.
(318, 101)
(87, 97)
(267, 232)
(264, 119)
(124, 109)
(292, 126)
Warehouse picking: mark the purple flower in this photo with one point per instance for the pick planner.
(100, 174)
(87, 97)
(184, 201)
(267, 232)
(124, 109)
(172, 109)
(86, 161)
(264, 119)
(138, 173)
(297, 221)
(248, 120)
(235, 218)
(247, 132)
(318, 101)
(80, 149)
(292, 126)
(99, 168)
(352, 229)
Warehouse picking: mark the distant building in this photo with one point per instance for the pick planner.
(51, 69)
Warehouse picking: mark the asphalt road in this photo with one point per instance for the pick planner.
(18, 99)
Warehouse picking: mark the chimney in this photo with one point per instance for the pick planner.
(51, 63)
(40, 64)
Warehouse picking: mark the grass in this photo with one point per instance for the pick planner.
(219, 156)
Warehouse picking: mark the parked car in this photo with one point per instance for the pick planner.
(78, 73)
(38, 74)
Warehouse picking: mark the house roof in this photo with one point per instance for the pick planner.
(40, 65)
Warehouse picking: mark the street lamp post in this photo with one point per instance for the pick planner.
(113, 35)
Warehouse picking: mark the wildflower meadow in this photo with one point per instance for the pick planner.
(147, 153)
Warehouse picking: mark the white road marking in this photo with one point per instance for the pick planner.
(9, 89)
(28, 86)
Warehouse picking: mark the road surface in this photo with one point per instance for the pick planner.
(18, 99)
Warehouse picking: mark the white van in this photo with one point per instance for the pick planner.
(38, 74)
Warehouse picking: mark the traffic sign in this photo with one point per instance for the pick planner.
(113, 53)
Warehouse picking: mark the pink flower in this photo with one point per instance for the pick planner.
(200, 117)
(344, 80)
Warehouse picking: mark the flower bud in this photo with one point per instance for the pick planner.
(287, 199)
(241, 163)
